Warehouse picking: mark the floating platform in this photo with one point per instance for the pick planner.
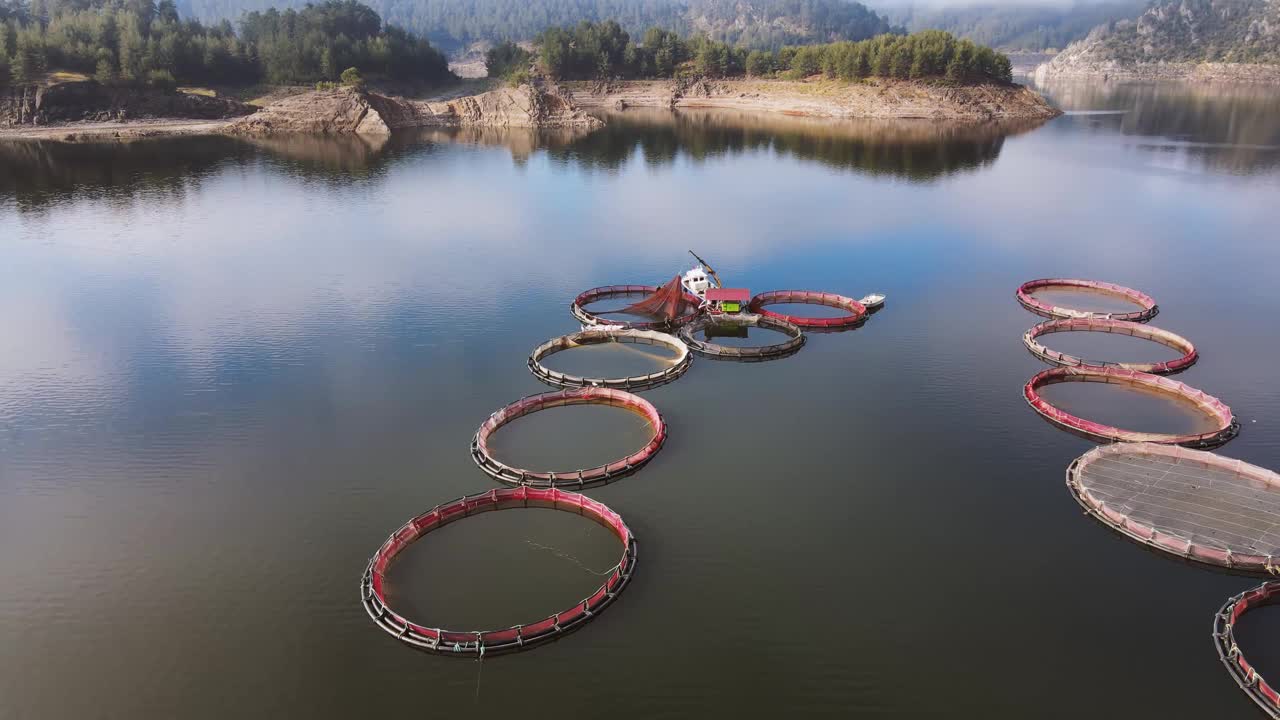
(1225, 423)
(1188, 503)
(478, 643)
(599, 336)
(1117, 327)
(1224, 639)
(576, 478)
(855, 312)
(745, 321)
(1147, 306)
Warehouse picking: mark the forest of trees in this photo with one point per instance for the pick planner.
(765, 24)
(605, 50)
(1030, 26)
(134, 41)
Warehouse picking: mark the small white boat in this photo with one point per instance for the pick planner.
(872, 301)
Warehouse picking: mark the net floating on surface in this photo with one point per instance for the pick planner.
(795, 338)
(1117, 327)
(1225, 428)
(1224, 639)
(478, 643)
(579, 478)
(688, 306)
(1188, 503)
(597, 336)
(856, 313)
(1147, 306)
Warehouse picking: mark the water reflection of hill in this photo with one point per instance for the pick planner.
(1226, 127)
(37, 173)
(917, 150)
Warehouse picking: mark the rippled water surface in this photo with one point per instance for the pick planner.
(228, 370)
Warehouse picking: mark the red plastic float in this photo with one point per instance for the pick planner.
(579, 478)
(1147, 306)
(1118, 327)
(856, 312)
(1226, 425)
(606, 292)
(1224, 639)
(517, 637)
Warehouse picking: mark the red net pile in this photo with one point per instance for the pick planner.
(668, 302)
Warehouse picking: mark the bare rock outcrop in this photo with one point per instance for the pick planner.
(538, 106)
(354, 111)
(334, 112)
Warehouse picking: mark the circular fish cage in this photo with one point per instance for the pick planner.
(1147, 306)
(1224, 639)
(578, 478)
(608, 292)
(1187, 503)
(855, 312)
(478, 643)
(1226, 425)
(1117, 327)
(598, 336)
(795, 338)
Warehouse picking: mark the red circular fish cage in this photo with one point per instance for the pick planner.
(606, 292)
(478, 643)
(856, 312)
(755, 353)
(597, 336)
(1117, 327)
(1224, 639)
(1191, 504)
(1226, 425)
(1147, 306)
(579, 478)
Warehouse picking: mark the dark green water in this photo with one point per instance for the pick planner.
(228, 370)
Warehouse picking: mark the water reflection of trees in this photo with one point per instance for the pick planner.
(917, 150)
(1227, 127)
(39, 173)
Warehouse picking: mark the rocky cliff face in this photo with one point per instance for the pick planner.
(349, 111)
(29, 105)
(1196, 39)
(537, 106)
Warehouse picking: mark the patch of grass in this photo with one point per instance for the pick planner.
(61, 76)
(207, 92)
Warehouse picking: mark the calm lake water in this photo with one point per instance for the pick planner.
(229, 369)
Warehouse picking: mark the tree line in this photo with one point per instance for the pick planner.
(142, 41)
(605, 50)
(754, 23)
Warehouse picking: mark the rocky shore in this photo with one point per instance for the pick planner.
(1072, 68)
(886, 99)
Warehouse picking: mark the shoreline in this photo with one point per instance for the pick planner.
(1239, 73)
(832, 99)
(818, 99)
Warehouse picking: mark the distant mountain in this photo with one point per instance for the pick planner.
(1016, 27)
(452, 23)
(1236, 39)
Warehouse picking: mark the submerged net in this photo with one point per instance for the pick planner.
(668, 303)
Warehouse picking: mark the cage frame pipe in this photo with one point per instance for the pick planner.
(582, 478)
(856, 312)
(1224, 641)
(588, 319)
(1227, 426)
(1157, 530)
(599, 335)
(1119, 327)
(479, 643)
(1147, 305)
(758, 353)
